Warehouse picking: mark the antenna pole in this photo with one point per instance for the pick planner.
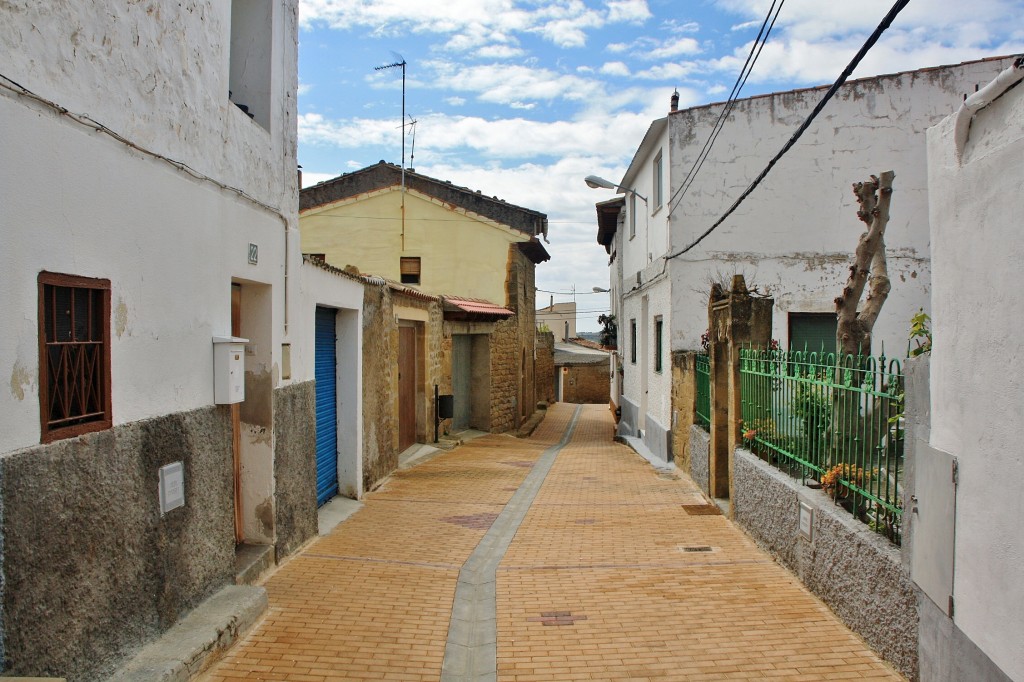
(402, 128)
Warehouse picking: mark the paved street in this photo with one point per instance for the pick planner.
(583, 562)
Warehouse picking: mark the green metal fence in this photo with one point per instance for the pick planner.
(838, 421)
(703, 390)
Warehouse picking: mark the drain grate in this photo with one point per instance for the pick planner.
(702, 509)
(697, 548)
(586, 522)
(522, 464)
(557, 618)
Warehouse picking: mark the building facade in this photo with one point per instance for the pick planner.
(793, 238)
(476, 255)
(967, 541)
(150, 211)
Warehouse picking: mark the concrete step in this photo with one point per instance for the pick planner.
(252, 562)
(198, 639)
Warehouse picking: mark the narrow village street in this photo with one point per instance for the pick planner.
(606, 568)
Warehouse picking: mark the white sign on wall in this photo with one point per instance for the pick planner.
(172, 487)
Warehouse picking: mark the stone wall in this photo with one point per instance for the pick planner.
(92, 569)
(855, 571)
(684, 401)
(380, 376)
(294, 466)
(513, 362)
(699, 453)
(586, 384)
(505, 348)
(544, 374)
(380, 383)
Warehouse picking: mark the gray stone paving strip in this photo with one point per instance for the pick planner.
(472, 649)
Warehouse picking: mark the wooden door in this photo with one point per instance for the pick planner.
(236, 418)
(406, 387)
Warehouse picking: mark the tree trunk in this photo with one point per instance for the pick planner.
(853, 328)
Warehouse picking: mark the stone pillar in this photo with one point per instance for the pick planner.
(684, 403)
(735, 320)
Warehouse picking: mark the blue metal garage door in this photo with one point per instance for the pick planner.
(326, 406)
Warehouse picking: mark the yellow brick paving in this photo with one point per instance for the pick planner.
(608, 578)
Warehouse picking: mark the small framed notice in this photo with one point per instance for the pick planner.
(172, 487)
(806, 520)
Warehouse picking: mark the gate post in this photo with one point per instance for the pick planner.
(736, 319)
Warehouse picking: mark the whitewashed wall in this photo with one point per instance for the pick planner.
(977, 388)
(320, 287)
(795, 234)
(80, 202)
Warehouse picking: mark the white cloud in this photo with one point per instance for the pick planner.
(523, 105)
(668, 72)
(303, 88)
(674, 48)
(812, 41)
(615, 69)
(455, 101)
(474, 23)
(628, 11)
(507, 83)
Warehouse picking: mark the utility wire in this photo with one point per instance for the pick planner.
(872, 39)
(730, 103)
(89, 122)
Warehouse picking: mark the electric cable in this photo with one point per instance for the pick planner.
(741, 79)
(872, 39)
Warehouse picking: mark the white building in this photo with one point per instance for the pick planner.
(560, 318)
(150, 206)
(968, 541)
(794, 236)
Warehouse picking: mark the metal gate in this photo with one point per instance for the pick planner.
(326, 405)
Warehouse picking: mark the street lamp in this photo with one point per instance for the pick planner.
(596, 182)
(599, 290)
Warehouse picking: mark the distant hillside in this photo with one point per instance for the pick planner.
(590, 336)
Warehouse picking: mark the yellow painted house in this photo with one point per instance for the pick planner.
(441, 238)
(476, 253)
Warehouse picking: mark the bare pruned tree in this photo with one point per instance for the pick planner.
(869, 269)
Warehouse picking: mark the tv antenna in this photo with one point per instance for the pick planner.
(399, 63)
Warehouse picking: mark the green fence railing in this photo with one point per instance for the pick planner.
(837, 421)
(703, 408)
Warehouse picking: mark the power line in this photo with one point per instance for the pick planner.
(872, 39)
(730, 103)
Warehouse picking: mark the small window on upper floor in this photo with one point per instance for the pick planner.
(74, 355)
(657, 181)
(251, 58)
(410, 270)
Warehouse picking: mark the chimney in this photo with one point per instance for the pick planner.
(552, 306)
(675, 101)
(299, 170)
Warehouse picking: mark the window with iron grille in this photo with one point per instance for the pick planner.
(74, 355)
(410, 270)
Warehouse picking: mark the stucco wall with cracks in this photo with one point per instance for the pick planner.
(795, 234)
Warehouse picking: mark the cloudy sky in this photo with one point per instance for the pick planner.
(521, 99)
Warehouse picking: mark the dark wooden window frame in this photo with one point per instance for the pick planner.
(99, 384)
(408, 274)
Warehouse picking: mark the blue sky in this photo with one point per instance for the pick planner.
(522, 99)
